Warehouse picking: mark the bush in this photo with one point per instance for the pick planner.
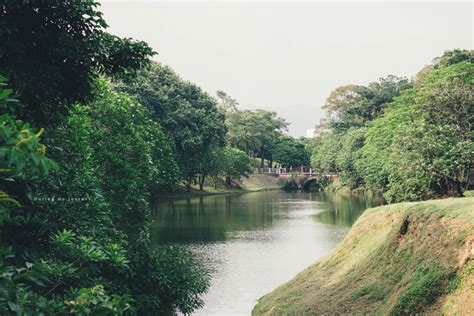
(290, 184)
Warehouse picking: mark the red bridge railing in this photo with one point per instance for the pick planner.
(291, 170)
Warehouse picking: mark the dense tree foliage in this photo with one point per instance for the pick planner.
(354, 106)
(234, 164)
(290, 152)
(127, 142)
(325, 153)
(52, 49)
(255, 132)
(260, 133)
(27, 275)
(417, 145)
(87, 248)
(429, 153)
(74, 230)
(188, 115)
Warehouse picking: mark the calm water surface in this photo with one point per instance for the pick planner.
(254, 242)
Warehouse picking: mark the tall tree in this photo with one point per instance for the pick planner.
(354, 106)
(422, 146)
(242, 133)
(188, 115)
(255, 132)
(269, 128)
(291, 152)
(226, 102)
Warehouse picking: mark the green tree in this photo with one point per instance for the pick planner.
(36, 276)
(52, 49)
(373, 165)
(422, 146)
(225, 162)
(188, 115)
(350, 110)
(134, 157)
(447, 100)
(92, 256)
(341, 98)
(255, 132)
(355, 106)
(209, 165)
(242, 133)
(226, 102)
(291, 152)
(234, 164)
(348, 155)
(269, 128)
(325, 153)
(133, 153)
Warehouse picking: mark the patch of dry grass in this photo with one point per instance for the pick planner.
(258, 182)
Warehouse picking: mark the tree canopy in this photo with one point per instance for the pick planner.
(82, 188)
(188, 115)
(351, 105)
(52, 50)
(290, 152)
(409, 141)
(255, 132)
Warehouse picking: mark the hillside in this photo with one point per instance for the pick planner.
(397, 259)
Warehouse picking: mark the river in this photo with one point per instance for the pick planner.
(254, 242)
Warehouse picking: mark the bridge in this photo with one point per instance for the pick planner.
(304, 176)
(292, 170)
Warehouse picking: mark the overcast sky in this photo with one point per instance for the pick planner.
(287, 56)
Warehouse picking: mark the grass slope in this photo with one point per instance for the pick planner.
(398, 259)
(259, 182)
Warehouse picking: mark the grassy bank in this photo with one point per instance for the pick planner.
(260, 182)
(398, 259)
(254, 183)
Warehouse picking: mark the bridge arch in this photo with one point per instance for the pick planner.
(319, 180)
(305, 186)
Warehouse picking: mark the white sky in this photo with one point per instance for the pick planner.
(288, 56)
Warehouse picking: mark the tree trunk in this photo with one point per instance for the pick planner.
(261, 155)
(201, 182)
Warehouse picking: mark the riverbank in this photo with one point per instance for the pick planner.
(254, 183)
(398, 259)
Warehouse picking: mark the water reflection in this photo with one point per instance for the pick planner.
(212, 218)
(344, 209)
